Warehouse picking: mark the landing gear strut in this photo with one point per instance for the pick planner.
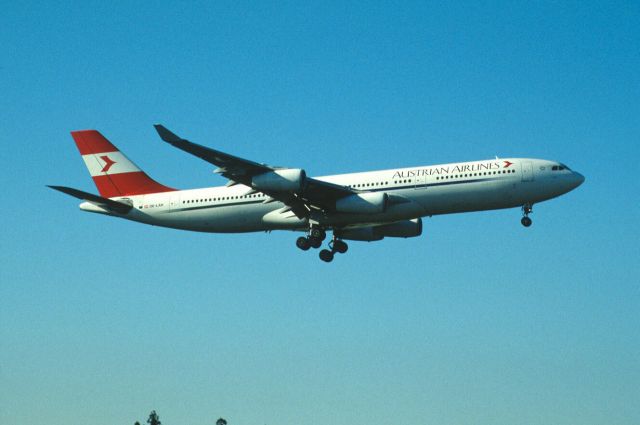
(526, 210)
(317, 233)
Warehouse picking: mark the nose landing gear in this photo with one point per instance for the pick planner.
(526, 210)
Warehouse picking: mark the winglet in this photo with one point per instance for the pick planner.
(166, 135)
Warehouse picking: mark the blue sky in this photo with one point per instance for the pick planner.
(477, 321)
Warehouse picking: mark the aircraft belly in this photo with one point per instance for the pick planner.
(219, 219)
(476, 196)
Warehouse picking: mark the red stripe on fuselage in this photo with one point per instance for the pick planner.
(91, 141)
(125, 184)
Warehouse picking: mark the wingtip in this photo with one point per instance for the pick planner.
(62, 189)
(166, 134)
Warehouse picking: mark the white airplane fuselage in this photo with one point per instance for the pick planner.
(413, 192)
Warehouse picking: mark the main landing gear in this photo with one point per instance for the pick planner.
(526, 210)
(314, 240)
(336, 245)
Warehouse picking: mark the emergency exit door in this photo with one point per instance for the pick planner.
(527, 171)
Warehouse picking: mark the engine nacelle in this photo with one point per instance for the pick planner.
(285, 180)
(400, 229)
(363, 203)
(365, 234)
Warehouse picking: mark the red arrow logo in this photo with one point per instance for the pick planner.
(507, 164)
(108, 162)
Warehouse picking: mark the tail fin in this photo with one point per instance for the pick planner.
(111, 170)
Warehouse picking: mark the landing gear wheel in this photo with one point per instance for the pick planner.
(340, 246)
(526, 210)
(526, 221)
(315, 242)
(326, 255)
(303, 243)
(317, 233)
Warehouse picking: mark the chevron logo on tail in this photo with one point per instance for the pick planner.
(108, 162)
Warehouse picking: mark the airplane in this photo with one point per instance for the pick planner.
(364, 206)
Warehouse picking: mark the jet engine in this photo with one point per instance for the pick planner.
(400, 229)
(287, 179)
(363, 203)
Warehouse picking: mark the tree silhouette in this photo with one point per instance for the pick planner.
(221, 421)
(137, 423)
(154, 419)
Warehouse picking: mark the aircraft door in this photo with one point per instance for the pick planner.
(174, 201)
(419, 182)
(527, 171)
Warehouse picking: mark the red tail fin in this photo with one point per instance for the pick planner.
(112, 172)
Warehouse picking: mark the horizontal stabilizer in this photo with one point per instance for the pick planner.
(110, 204)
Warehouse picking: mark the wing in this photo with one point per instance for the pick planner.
(313, 194)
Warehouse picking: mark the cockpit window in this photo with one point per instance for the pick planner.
(560, 167)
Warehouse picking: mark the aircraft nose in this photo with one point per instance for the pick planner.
(578, 179)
